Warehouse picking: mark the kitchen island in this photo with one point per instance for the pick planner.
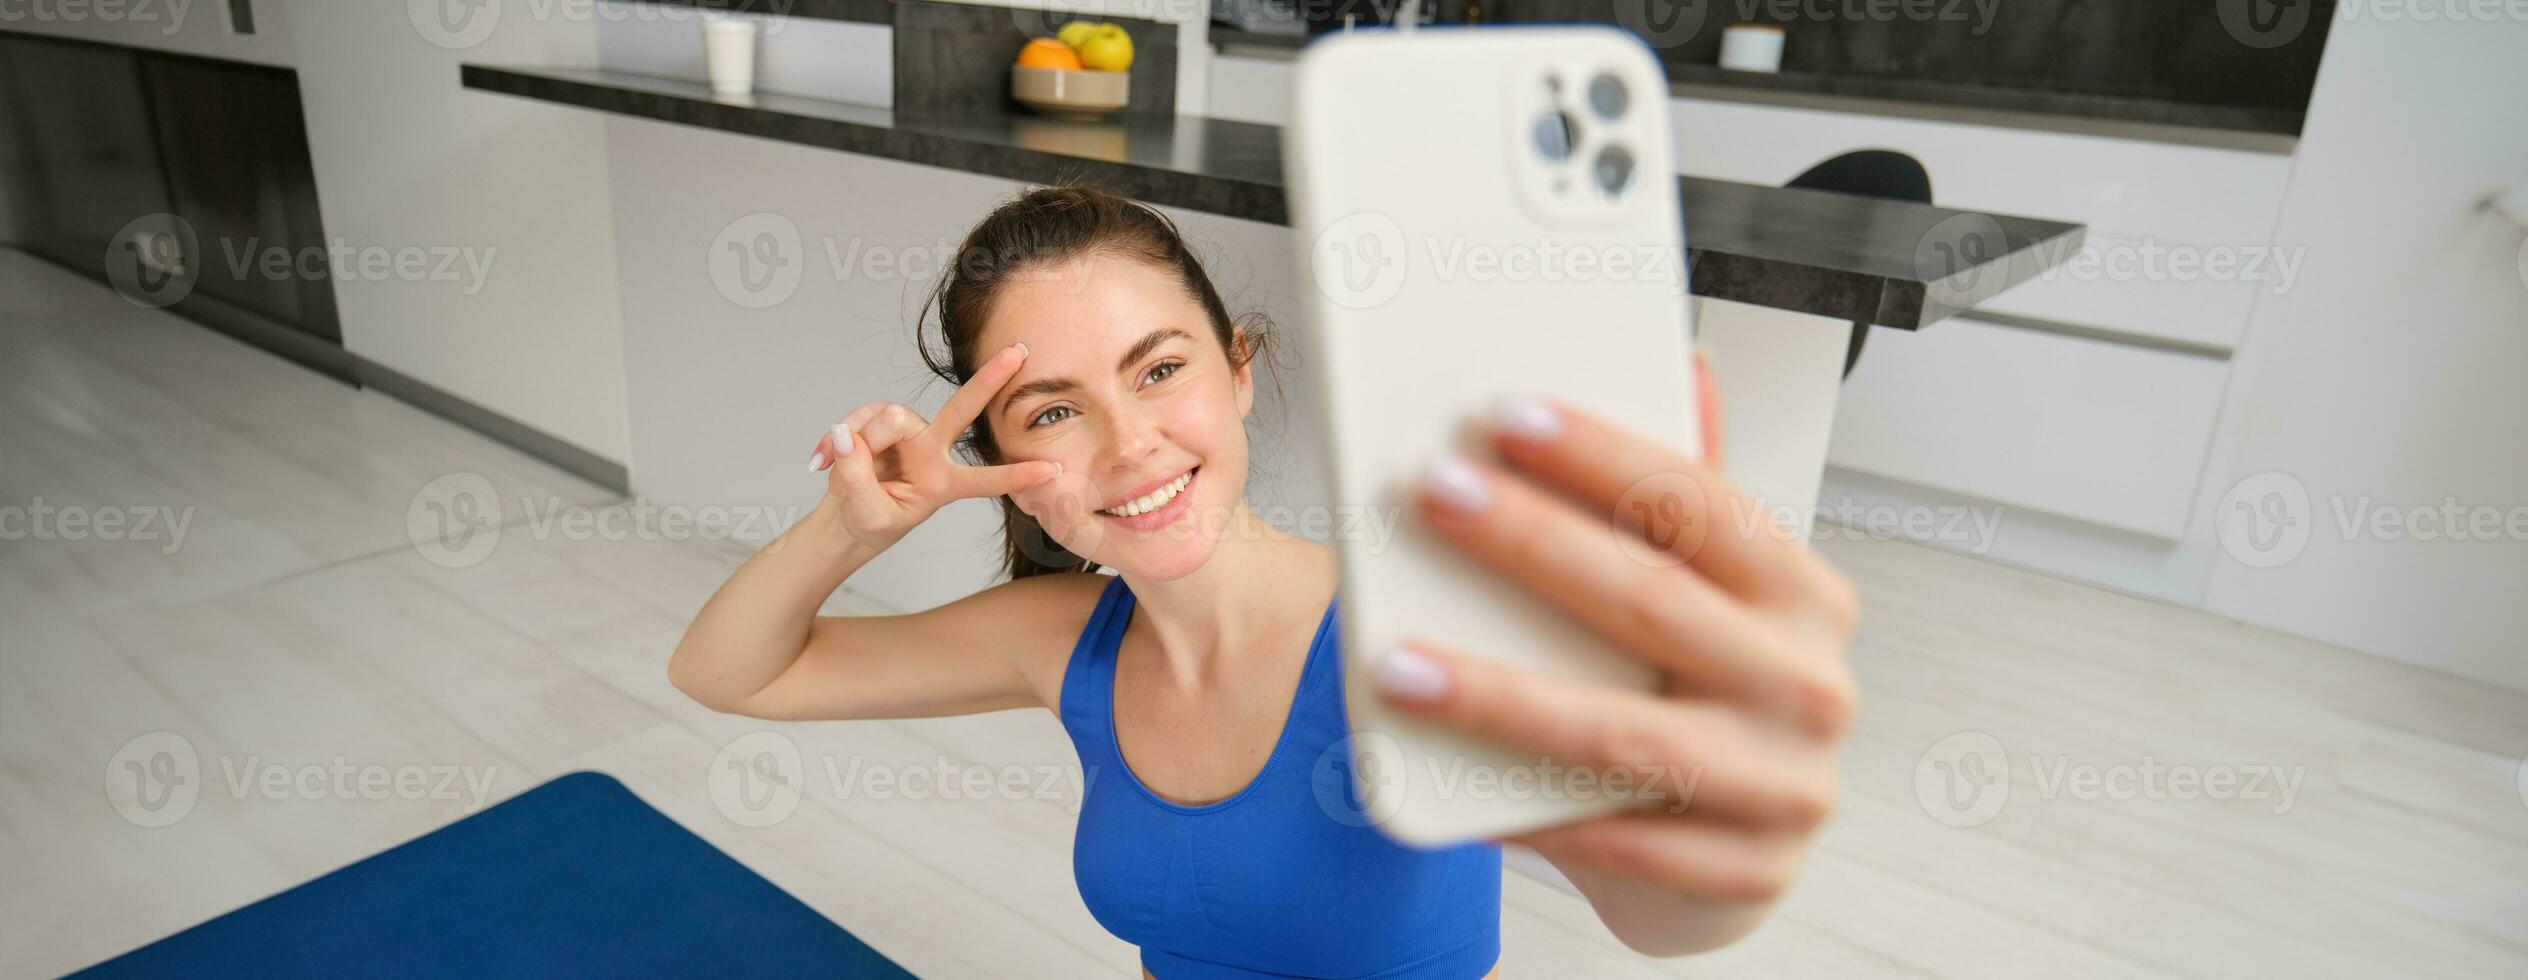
(1855, 259)
(743, 338)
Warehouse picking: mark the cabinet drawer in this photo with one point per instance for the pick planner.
(2097, 431)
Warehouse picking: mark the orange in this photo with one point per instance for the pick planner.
(1045, 52)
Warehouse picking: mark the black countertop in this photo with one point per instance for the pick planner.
(1892, 263)
(852, 11)
(1714, 80)
(2081, 105)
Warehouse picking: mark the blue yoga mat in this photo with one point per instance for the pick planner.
(574, 878)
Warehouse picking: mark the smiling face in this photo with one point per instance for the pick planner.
(1127, 385)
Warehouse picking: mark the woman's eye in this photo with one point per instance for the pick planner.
(1047, 417)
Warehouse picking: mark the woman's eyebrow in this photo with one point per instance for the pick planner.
(1055, 386)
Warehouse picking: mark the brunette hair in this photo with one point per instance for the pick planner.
(1039, 228)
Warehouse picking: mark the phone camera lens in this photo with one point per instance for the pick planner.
(1607, 96)
(1614, 169)
(1554, 132)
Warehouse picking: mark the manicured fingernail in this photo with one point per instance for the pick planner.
(1456, 484)
(842, 439)
(817, 461)
(1526, 418)
(1022, 348)
(1411, 676)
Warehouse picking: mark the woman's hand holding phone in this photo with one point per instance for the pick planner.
(887, 469)
(1747, 626)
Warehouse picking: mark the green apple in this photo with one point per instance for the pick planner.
(1108, 48)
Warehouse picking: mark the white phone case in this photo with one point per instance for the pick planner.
(1443, 268)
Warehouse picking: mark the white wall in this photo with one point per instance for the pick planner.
(839, 60)
(10, 148)
(1255, 90)
(408, 158)
(2393, 374)
(184, 26)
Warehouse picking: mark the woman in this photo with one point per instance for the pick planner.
(1102, 393)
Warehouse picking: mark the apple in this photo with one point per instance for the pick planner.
(1107, 48)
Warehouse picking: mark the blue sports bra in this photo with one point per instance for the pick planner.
(1282, 878)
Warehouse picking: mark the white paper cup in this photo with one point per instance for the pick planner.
(1751, 47)
(728, 45)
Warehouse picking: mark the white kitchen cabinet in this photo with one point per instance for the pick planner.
(2102, 432)
(2096, 396)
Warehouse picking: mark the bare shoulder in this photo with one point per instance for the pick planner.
(1037, 621)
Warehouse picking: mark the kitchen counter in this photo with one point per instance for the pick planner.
(1966, 95)
(2127, 115)
(1831, 255)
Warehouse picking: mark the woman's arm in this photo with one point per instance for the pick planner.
(1657, 921)
(759, 648)
(760, 623)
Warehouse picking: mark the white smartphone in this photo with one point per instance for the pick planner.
(1478, 211)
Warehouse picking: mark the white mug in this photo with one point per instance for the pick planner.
(728, 45)
(1751, 47)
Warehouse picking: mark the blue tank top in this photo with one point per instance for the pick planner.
(1282, 878)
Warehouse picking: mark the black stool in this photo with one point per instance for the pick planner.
(1868, 173)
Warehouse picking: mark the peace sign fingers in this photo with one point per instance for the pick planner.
(976, 394)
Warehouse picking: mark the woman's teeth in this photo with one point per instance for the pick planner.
(1157, 498)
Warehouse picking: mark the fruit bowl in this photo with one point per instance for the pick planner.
(1070, 93)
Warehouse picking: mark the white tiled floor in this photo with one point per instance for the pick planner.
(294, 623)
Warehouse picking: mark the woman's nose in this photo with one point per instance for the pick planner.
(1130, 436)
